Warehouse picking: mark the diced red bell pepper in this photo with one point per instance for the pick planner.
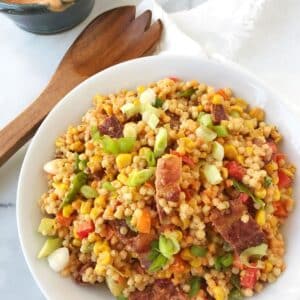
(280, 209)
(235, 170)
(284, 180)
(64, 221)
(278, 157)
(84, 228)
(243, 197)
(249, 279)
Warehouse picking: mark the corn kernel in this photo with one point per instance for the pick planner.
(76, 204)
(249, 124)
(100, 270)
(260, 217)
(75, 235)
(196, 263)
(100, 246)
(242, 103)
(95, 212)
(136, 101)
(95, 163)
(187, 144)
(100, 201)
(230, 151)
(187, 255)
(93, 237)
(85, 207)
(107, 108)
(122, 178)
(76, 242)
(200, 107)
(123, 160)
(257, 113)
(224, 172)
(98, 99)
(240, 159)
(60, 186)
(288, 172)
(104, 258)
(268, 267)
(249, 151)
(178, 235)
(271, 167)
(261, 193)
(219, 293)
(276, 194)
(77, 146)
(237, 108)
(67, 210)
(140, 89)
(217, 99)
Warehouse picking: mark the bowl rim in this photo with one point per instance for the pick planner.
(226, 65)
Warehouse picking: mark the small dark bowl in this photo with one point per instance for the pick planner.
(40, 19)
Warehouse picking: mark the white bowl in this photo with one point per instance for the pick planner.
(32, 181)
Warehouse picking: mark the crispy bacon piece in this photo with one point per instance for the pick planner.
(112, 127)
(238, 234)
(175, 120)
(218, 113)
(168, 173)
(161, 289)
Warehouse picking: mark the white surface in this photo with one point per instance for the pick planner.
(127, 75)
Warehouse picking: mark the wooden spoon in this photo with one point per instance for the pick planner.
(112, 37)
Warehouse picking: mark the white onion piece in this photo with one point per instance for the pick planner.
(59, 259)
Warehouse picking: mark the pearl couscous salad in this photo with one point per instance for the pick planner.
(174, 190)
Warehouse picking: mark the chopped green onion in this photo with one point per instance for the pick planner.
(151, 119)
(154, 251)
(243, 189)
(158, 263)
(148, 96)
(47, 227)
(235, 294)
(126, 144)
(110, 145)
(158, 102)
(167, 246)
(116, 146)
(187, 93)
(130, 109)
(78, 181)
(88, 192)
(137, 178)
(82, 164)
(150, 158)
(161, 142)
(108, 186)
(227, 260)
(218, 263)
(77, 160)
(195, 285)
(150, 109)
(212, 174)
(95, 134)
(130, 130)
(50, 246)
(267, 181)
(217, 151)
(253, 252)
(205, 120)
(205, 133)
(198, 251)
(220, 130)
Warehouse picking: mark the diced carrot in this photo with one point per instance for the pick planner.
(279, 156)
(235, 170)
(84, 228)
(64, 221)
(280, 209)
(243, 197)
(249, 279)
(179, 266)
(188, 160)
(223, 94)
(143, 223)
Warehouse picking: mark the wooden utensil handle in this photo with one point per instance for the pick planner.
(22, 128)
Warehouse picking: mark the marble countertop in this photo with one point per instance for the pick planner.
(16, 281)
